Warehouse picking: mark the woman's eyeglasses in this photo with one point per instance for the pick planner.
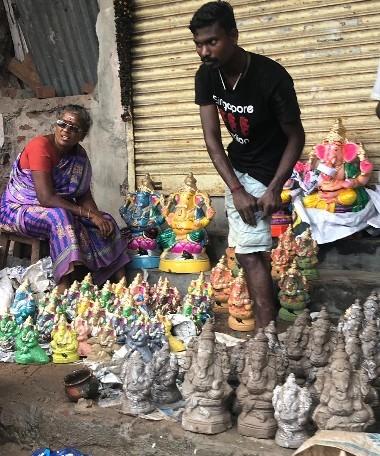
(72, 128)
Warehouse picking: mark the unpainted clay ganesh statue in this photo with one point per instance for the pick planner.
(240, 305)
(296, 340)
(187, 212)
(258, 375)
(205, 386)
(142, 212)
(343, 172)
(221, 280)
(138, 381)
(103, 345)
(164, 387)
(319, 347)
(292, 405)
(342, 392)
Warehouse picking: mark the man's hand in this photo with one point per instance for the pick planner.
(104, 225)
(246, 205)
(270, 202)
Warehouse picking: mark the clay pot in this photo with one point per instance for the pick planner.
(81, 383)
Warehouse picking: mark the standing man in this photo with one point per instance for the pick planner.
(375, 95)
(256, 99)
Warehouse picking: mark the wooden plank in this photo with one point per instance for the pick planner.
(23, 71)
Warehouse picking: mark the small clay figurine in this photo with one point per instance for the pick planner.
(164, 388)
(293, 294)
(8, 332)
(284, 254)
(296, 340)
(240, 305)
(64, 344)
(306, 254)
(221, 280)
(83, 333)
(319, 347)
(24, 304)
(205, 386)
(27, 349)
(292, 406)
(138, 380)
(103, 345)
(258, 377)
(342, 392)
(371, 308)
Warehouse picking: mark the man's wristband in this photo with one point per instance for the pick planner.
(235, 189)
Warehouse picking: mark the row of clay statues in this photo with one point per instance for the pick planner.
(269, 400)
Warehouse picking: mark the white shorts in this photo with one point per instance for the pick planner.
(246, 238)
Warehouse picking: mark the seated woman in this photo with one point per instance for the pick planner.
(48, 196)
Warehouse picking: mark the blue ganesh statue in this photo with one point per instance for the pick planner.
(142, 214)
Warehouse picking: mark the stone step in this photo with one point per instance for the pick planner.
(351, 254)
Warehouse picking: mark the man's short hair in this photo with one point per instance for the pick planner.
(212, 12)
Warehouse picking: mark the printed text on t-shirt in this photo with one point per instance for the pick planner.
(237, 125)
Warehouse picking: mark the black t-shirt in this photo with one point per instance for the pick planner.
(263, 97)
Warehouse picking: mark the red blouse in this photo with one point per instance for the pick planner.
(39, 155)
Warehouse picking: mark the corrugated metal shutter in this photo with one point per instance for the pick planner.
(330, 47)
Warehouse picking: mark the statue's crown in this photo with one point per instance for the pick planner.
(190, 183)
(337, 132)
(207, 331)
(147, 185)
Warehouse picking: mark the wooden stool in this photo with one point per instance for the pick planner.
(6, 238)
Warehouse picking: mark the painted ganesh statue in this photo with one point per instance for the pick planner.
(340, 170)
(187, 212)
(142, 214)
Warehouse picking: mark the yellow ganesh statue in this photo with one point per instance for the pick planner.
(187, 212)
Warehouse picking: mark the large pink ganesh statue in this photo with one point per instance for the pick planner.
(343, 170)
(187, 212)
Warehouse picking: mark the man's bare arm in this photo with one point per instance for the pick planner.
(244, 203)
(271, 200)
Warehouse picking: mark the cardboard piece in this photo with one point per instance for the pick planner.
(340, 443)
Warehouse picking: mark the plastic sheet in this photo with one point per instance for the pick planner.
(6, 292)
(63, 452)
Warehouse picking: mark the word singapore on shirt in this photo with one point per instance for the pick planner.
(233, 117)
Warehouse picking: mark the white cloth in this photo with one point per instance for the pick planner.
(375, 95)
(328, 227)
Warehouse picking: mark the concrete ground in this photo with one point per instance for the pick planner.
(34, 412)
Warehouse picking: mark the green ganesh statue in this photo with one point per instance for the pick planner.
(28, 350)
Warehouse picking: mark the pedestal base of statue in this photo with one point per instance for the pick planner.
(220, 307)
(144, 262)
(184, 265)
(202, 420)
(238, 324)
(37, 357)
(290, 439)
(65, 358)
(135, 408)
(258, 423)
(289, 315)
